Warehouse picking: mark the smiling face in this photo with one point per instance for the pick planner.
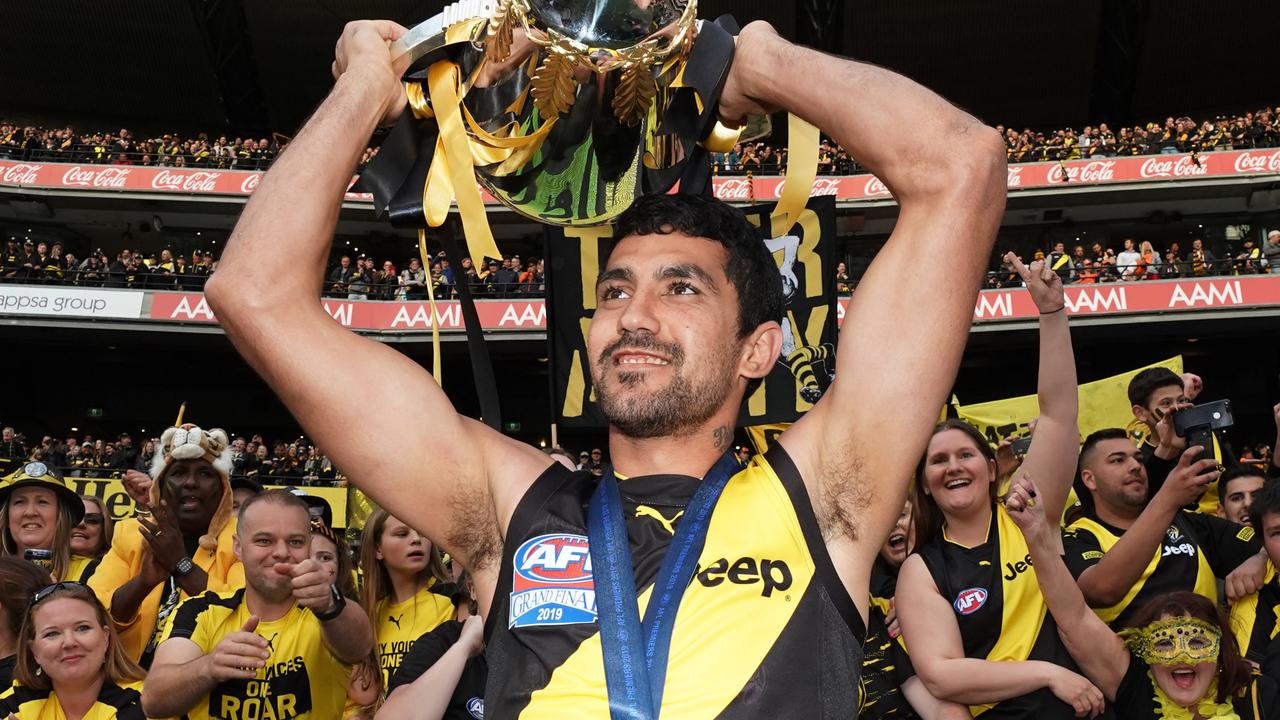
(69, 644)
(33, 517)
(1113, 471)
(1185, 683)
(193, 488)
(86, 538)
(401, 549)
(664, 344)
(957, 475)
(1238, 496)
(269, 533)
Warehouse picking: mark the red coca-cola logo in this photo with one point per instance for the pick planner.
(733, 189)
(20, 174)
(250, 182)
(1163, 166)
(826, 186)
(874, 187)
(1247, 162)
(187, 181)
(1094, 171)
(1015, 176)
(101, 177)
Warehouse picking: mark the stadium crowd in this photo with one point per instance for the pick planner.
(1256, 129)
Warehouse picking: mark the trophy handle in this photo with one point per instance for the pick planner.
(430, 35)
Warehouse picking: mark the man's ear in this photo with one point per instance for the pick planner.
(1141, 413)
(760, 351)
(1086, 477)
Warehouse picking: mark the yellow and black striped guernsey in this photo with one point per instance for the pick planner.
(1194, 551)
(301, 681)
(1001, 614)
(765, 629)
(885, 665)
(115, 702)
(1255, 619)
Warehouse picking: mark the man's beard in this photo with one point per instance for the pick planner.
(662, 411)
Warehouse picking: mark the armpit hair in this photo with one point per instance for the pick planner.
(844, 497)
(474, 534)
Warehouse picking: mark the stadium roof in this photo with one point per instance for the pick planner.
(261, 65)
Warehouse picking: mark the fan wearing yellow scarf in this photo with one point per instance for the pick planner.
(1178, 659)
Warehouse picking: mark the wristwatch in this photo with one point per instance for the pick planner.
(184, 566)
(335, 608)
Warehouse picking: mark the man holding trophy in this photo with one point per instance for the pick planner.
(682, 583)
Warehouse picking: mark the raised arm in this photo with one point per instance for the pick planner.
(907, 324)
(356, 397)
(1107, 582)
(1052, 456)
(937, 652)
(1100, 653)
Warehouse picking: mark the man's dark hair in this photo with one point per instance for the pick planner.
(751, 269)
(1237, 471)
(1144, 384)
(1266, 500)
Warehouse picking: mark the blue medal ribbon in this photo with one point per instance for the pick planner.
(635, 685)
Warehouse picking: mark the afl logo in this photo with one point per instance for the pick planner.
(475, 708)
(554, 559)
(970, 601)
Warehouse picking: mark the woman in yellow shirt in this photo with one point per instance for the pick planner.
(404, 590)
(90, 540)
(70, 662)
(37, 513)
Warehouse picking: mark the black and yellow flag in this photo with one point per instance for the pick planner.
(806, 261)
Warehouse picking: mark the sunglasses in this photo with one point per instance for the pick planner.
(48, 590)
(92, 518)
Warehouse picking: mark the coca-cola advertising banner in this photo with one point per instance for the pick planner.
(1154, 296)
(730, 189)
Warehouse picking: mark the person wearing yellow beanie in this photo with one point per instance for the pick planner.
(180, 545)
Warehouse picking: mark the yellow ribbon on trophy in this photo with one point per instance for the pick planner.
(802, 170)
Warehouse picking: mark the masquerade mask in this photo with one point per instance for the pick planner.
(1175, 641)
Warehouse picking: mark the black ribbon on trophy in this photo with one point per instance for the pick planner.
(565, 112)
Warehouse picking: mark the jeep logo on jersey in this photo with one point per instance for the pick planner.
(770, 574)
(970, 601)
(554, 559)
(551, 582)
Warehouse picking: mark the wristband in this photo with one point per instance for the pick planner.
(1059, 309)
(335, 609)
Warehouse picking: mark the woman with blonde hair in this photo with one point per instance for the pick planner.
(1150, 260)
(70, 661)
(90, 539)
(37, 515)
(405, 591)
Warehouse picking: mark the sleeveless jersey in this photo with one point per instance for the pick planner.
(302, 680)
(1000, 611)
(1255, 620)
(1195, 550)
(885, 665)
(398, 626)
(115, 702)
(765, 628)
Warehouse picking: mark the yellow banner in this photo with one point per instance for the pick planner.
(120, 506)
(1103, 404)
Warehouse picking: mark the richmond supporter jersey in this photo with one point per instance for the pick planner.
(885, 665)
(765, 628)
(302, 678)
(999, 609)
(1255, 619)
(1136, 698)
(401, 624)
(81, 568)
(115, 702)
(1195, 551)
